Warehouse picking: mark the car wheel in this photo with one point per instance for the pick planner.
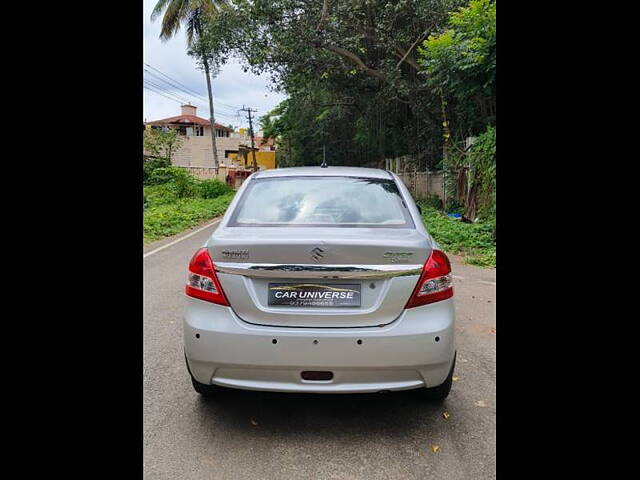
(439, 393)
(205, 390)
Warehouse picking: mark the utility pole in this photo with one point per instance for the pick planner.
(253, 151)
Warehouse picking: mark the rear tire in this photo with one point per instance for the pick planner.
(205, 390)
(202, 388)
(439, 393)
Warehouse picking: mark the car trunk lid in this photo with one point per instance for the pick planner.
(377, 266)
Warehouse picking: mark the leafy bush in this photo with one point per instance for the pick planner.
(475, 241)
(169, 219)
(433, 201)
(184, 184)
(161, 143)
(159, 195)
(174, 201)
(178, 180)
(483, 161)
(213, 188)
(165, 175)
(150, 165)
(487, 259)
(166, 185)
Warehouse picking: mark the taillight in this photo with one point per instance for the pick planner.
(202, 281)
(435, 282)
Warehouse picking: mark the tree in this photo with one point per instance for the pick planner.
(194, 14)
(159, 147)
(161, 143)
(352, 74)
(460, 62)
(354, 66)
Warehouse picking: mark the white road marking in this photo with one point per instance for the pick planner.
(487, 283)
(177, 240)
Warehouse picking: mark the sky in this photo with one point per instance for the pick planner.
(232, 88)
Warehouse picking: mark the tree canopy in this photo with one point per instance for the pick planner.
(367, 79)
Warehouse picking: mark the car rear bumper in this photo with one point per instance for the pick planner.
(414, 351)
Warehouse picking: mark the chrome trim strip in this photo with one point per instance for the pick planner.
(273, 270)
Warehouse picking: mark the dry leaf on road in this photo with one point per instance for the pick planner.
(253, 422)
(455, 379)
(481, 403)
(435, 448)
(445, 415)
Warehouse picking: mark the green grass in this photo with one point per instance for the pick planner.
(473, 241)
(167, 215)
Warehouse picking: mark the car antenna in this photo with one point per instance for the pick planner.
(324, 160)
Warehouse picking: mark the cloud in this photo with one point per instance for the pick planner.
(232, 88)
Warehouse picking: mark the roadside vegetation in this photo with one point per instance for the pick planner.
(365, 80)
(475, 242)
(174, 200)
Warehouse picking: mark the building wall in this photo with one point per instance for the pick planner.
(263, 159)
(196, 151)
(422, 184)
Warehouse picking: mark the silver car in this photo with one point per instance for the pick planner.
(321, 280)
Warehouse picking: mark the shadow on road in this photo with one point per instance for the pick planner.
(327, 415)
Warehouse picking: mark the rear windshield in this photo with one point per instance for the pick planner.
(322, 202)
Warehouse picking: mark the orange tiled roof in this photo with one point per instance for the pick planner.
(187, 120)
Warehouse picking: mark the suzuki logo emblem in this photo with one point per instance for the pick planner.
(317, 254)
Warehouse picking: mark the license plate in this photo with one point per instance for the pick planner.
(314, 294)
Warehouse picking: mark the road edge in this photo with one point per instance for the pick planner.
(166, 242)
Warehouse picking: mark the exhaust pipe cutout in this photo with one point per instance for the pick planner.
(316, 376)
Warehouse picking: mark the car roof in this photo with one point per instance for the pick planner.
(324, 172)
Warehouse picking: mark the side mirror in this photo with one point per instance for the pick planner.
(419, 208)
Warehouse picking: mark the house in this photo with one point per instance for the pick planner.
(189, 124)
(265, 159)
(196, 148)
(265, 149)
(265, 144)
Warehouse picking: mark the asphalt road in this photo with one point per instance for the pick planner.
(268, 435)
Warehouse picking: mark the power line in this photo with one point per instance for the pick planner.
(164, 90)
(181, 90)
(176, 81)
(153, 87)
(171, 92)
(190, 101)
(233, 107)
(172, 85)
(156, 89)
(169, 82)
(226, 117)
(158, 93)
(193, 92)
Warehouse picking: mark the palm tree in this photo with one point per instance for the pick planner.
(191, 13)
